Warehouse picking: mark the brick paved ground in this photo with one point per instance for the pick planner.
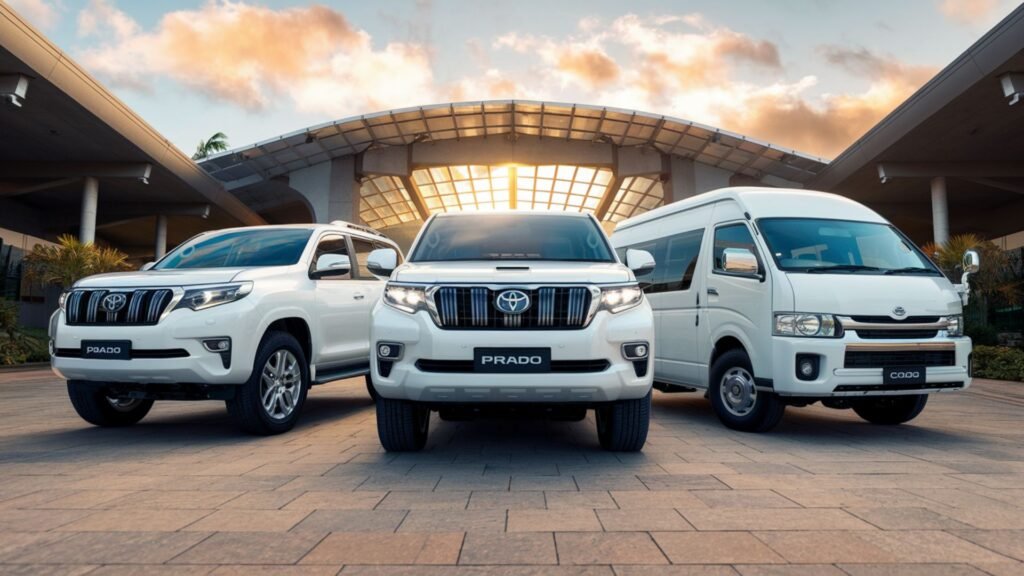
(825, 494)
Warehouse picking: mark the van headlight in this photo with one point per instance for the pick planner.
(804, 325)
(210, 296)
(620, 298)
(955, 326)
(409, 299)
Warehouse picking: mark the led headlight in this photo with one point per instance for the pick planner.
(205, 297)
(620, 298)
(955, 326)
(409, 299)
(63, 299)
(805, 325)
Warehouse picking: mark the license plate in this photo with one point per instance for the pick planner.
(904, 375)
(107, 349)
(512, 360)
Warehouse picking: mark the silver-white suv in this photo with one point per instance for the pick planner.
(253, 316)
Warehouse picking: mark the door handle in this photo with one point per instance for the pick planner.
(713, 291)
(358, 296)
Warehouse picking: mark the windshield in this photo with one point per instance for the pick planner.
(239, 249)
(821, 245)
(513, 237)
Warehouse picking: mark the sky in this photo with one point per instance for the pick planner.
(812, 75)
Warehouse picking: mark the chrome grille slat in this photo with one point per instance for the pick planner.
(94, 305)
(145, 306)
(473, 307)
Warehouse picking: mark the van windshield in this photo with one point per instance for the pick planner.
(817, 246)
(239, 249)
(513, 236)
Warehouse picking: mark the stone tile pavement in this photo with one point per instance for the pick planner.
(825, 494)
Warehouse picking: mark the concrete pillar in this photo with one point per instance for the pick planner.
(90, 198)
(940, 210)
(680, 178)
(160, 247)
(331, 188)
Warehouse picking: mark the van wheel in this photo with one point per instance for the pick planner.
(370, 388)
(735, 398)
(402, 426)
(270, 402)
(890, 410)
(91, 402)
(622, 426)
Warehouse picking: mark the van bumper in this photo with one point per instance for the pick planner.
(834, 378)
(422, 339)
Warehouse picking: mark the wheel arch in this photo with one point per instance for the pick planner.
(298, 327)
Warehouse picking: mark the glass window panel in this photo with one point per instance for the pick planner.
(428, 190)
(562, 186)
(445, 188)
(500, 196)
(558, 199)
(543, 197)
(546, 171)
(433, 203)
(580, 188)
(479, 171)
(591, 203)
(631, 198)
(463, 186)
(575, 200)
(439, 174)
(459, 172)
(466, 199)
(499, 172)
(482, 184)
(500, 183)
(566, 172)
(585, 174)
(450, 201)
(545, 184)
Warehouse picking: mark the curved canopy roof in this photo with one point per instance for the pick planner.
(578, 122)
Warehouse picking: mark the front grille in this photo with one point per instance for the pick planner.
(142, 307)
(136, 354)
(554, 308)
(897, 334)
(897, 358)
(889, 320)
(897, 387)
(557, 366)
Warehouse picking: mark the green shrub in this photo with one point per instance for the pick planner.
(999, 363)
(18, 345)
(982, 334)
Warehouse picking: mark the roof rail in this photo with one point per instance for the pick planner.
(359, 227)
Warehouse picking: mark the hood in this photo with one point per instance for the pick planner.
(874, 295)
(159, 278)
(513, 272)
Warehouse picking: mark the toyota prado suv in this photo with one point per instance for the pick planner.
(251, 316)
(521, 310)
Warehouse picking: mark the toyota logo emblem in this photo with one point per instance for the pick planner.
(899, 312)
(114, 302)
(512, 302)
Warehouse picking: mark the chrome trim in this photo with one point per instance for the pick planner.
(849, 323)
(902, 347)
(577, 311)
(71, 307)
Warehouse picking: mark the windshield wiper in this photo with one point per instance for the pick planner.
(912, 270)
(841, 268)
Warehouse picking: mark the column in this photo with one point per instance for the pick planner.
(160, 247)
(940, 210)
(90, 198)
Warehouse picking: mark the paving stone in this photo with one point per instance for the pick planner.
(650, 499)
(255, 548)
(906, 518)
(136, 521)
(524, 548)
(715, 548)
(438, 548)
(543, 483)
(112, 548)
(1006, 542)
(225, 520)
(682, 482)
(912, 570)
(454, 520)
(608, 548)
(565, 500)
(422, 570)
(724, 519)
(14, 520)
(642, 520)
(567, 520)
(263, 499)
(324, 500)
(742, 499)
(419, 500)
(351, 521)
(790, 570)
(488, 499)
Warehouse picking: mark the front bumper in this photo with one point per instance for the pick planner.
(836, 380)
(601, 340)
(181, 330)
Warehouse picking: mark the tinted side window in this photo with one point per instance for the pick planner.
(331, 245)
(680, 261)
(363, 249)
(732, 236)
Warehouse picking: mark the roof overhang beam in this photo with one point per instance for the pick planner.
(139, 171)
(890, 170)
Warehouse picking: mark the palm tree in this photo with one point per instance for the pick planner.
(995, 279)
(217, 143)
(70, 260)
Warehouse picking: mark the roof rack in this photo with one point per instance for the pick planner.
(359, 228)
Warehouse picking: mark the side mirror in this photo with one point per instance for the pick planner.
(972, 262)
(382, 262)
(740, 261)
(641, 262)
(331, 265)
(147, 266)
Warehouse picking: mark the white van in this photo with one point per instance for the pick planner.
(769, 297)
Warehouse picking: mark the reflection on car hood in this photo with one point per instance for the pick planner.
(874, 294)
(513, 272)
(157, 278)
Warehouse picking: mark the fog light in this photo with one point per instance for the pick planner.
(635, 351)
(217, 345)
(389, 350)
(807, 366)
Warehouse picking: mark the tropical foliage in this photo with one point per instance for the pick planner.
(216, 143)
(16, 345)
(998, 363)
(996, 281)
(70, 260)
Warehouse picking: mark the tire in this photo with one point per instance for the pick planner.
(91, 402)
(735, 399)
(890, 410)
(369, 387)
(402, 426)
(622, 426)
(280, 373)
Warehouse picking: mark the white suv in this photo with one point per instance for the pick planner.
(519, 310)
(252, 316)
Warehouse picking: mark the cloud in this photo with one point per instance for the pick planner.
(253, 56)
(972, 12)
(39, 12)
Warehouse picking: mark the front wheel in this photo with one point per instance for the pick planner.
(890, 410)
(622, 426)
(402, 426)
(735, 397)
(92, 402)
(270, 402)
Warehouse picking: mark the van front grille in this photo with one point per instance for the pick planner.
(898, 358)
(551, 308)
(142, 307)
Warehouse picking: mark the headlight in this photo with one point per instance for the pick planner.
(955, 325)
(805, 325)
(409, 299)
(210, 296)
(620, 298)
(63, 299)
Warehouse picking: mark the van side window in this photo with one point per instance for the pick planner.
(363, 249)
(680, 261)
(332, 244)
(732, 236)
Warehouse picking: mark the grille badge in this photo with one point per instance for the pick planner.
(899, 312)
(512, 302)
(114, 302)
